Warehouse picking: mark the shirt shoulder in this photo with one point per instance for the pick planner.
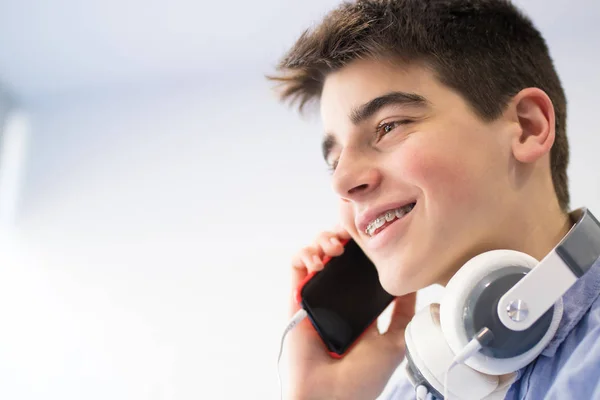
(572, 370)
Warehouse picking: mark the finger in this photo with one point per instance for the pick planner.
(330, 244)
(389, 348)
(312, 258)
(298, 275)
(308, 258)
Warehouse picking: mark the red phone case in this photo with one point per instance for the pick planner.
(298, 297)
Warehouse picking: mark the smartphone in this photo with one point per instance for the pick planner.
(343, 299)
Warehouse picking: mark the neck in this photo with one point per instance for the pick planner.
(536, 230)
(540, 223)
(541, 231)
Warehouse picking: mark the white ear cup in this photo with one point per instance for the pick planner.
(452, 310)
(432, 356)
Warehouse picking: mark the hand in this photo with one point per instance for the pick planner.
(365, 370)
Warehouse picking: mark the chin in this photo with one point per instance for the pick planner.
(399, 281)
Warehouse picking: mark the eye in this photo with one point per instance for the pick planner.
(386, 127)
(332, 166)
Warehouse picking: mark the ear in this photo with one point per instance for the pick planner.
(534, 113)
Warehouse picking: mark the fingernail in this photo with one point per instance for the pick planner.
(335, 241)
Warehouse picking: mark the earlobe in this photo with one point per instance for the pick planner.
(536, 119)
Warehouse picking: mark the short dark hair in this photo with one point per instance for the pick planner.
(486, 50)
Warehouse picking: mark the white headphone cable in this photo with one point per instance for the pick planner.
(483, 337)
(296, 319)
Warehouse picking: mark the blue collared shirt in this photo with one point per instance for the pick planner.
(569, 367)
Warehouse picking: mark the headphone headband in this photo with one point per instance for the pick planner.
(539, 290)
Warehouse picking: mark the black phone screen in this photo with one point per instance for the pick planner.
(344, 298)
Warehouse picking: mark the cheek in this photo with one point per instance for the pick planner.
(441, 173)
(460, 177)
(347, 217)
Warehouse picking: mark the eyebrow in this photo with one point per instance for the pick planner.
(367, 110)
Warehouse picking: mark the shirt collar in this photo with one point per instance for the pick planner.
(576, 303)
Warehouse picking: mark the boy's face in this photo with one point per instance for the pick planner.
(419, 144)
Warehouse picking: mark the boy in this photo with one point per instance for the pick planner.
(450, 114)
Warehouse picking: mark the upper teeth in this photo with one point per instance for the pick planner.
(387, 217)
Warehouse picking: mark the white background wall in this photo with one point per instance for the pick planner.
(155, 239)
(150, 258)
(4, 106)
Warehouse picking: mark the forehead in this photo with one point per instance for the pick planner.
(363, 80)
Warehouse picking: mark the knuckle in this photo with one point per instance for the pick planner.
(308, 251)
(324, 236)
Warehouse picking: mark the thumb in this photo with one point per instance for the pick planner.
(380, 354)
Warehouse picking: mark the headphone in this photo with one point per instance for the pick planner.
(506, 303)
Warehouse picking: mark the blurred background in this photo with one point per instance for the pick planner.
(153, 190)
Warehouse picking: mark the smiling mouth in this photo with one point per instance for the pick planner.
(388, 218)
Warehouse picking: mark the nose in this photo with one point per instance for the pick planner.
(356, 175)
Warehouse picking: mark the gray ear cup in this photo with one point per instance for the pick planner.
(470, 303)
(481, 311)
